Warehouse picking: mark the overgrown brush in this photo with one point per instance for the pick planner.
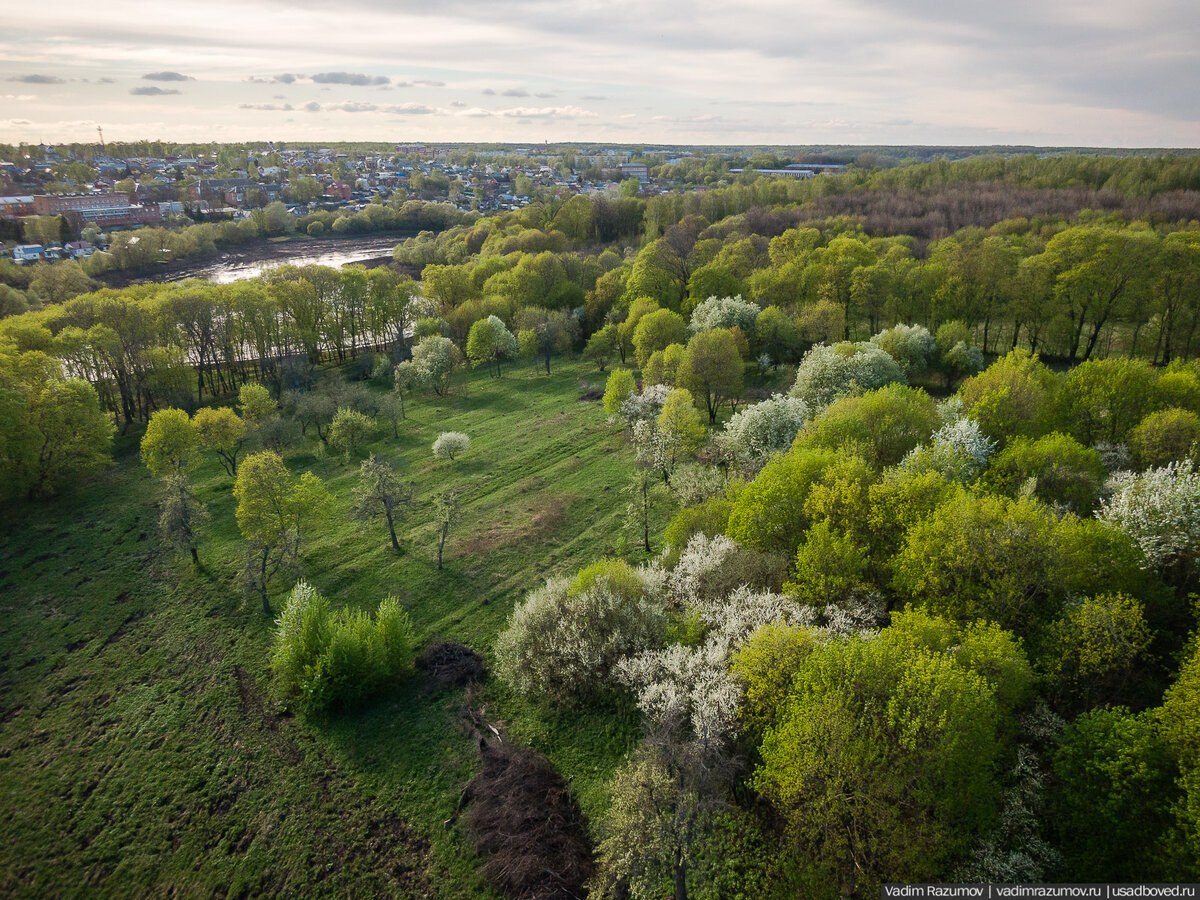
(333, 660)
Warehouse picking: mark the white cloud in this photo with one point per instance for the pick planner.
(1093, 72)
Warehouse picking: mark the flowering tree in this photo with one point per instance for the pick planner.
(1159, 509)
(828, 373)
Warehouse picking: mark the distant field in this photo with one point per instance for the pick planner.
(143, 751)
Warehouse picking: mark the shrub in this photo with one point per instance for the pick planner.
(911, 346)
(828, 373)
(880, 426)
(1159, 509)
(711, 568)
(562, 643)
(1164, 437)
(617, 390)
(450, 444)
(1057, 467)
(765, 428)
(349, 429)
(332, 661)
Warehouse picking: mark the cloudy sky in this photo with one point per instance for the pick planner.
(1047, 72)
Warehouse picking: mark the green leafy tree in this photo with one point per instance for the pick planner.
(349, 429)
(1094, 652)
(1056, 468)
(982, 557)
(52, 428)
(712, 369)
(1015, 396)
(1110, 804)
(256, 403)
(619, 387)
(169, 442)
(491, 342)
(657, 330)
(771, 513)
(602, 347)
(1170, 435)
(274, 512)
(680, 426)
(829, 567)
(1179, 724)
(883, 763)
(881, 426)
(219, 430)
(1103, 400)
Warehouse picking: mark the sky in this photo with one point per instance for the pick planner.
(1105, 73)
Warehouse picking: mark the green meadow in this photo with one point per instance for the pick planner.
(144, 751)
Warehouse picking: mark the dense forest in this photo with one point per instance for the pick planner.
(782, 538)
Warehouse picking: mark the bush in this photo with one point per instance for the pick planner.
(828, 373)
(332, 661)
(765, 428)
(564, 640)
(1093, 652)
(349, 429)
(880, 426)
(450, 444)
(1164, 437)
(1159, 509)
(911, 346)
(1057, 467)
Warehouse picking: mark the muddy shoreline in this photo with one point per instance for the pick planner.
(375, 250)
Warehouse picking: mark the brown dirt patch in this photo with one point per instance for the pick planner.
(538, 520)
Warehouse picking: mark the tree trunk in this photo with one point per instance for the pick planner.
(646, 515)
(262, 584)
(441, 544)
(681, 881)
(392, 529)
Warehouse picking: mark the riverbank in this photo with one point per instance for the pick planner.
(251, 260)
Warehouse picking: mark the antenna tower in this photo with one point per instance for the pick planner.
(100, 131)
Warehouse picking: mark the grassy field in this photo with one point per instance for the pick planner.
(143, 751)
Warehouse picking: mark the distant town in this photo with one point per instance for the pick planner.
(95, 192)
